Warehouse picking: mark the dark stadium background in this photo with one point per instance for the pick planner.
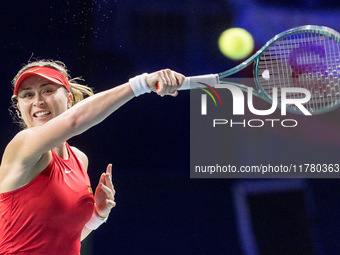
(160, 210)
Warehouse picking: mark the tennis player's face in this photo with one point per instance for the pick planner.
(40, 100)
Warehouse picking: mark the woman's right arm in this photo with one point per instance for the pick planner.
(28, 146)
(27, 154)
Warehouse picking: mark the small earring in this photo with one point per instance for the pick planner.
(19, 114)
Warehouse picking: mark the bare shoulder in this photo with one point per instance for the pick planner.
(13, 151)
(15, 173)
(81, 156)
(23, 148)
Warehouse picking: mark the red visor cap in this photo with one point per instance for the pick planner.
(48, 73)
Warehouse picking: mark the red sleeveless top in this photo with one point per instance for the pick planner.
(47, 215)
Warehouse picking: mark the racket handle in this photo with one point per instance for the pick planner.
(194, 82)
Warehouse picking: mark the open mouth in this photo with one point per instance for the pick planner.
(41, 114)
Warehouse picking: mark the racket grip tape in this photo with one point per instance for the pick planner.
(194, 82)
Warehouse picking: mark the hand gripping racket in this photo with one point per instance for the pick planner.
(303, 57)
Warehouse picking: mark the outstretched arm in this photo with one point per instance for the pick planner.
(31, 143)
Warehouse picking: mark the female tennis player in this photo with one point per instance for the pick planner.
(46, 202)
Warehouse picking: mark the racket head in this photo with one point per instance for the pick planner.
(303, 57)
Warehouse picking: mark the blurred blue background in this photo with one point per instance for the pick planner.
(160, 210)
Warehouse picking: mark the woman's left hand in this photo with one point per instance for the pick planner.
(104, 197)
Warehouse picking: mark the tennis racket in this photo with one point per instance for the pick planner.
(303, 57)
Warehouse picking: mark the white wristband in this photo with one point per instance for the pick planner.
(139, 85)
(95, 221)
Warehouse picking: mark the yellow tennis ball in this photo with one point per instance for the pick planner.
(236, 43)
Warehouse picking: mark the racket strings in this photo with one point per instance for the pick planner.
(308, 60)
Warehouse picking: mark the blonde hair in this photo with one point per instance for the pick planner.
(78, 91)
